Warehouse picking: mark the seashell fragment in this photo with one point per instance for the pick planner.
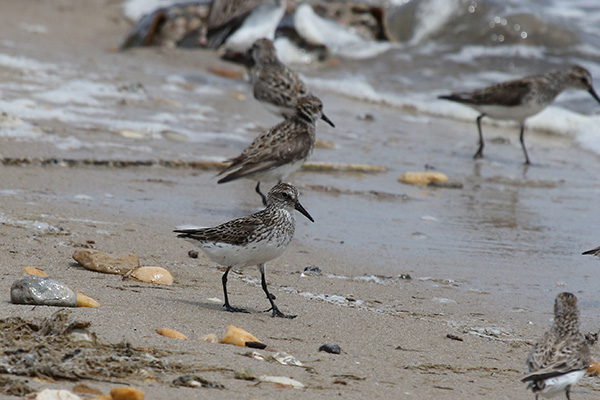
(281, 380)
(210, 338)
(423, 178)
(102, 262)
(126, 393)
(171, 333)
(157, 275)
(42, 291)
(85, 301)
(594, 368)
(34, 272)
(51, 394)
(238, 336)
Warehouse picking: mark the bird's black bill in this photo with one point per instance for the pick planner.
(324, 118)
(594, 94)
(303, 211)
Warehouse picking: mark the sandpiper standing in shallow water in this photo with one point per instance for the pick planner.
(252, 240)
(522, 98)
(275, 85)
(562, 355)
(281, 150)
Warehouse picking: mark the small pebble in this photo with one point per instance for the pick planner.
(86, 301)
(34, 271)
(312, 270)
(210, 338)
(171, 333)
(102, 262)
(192, 254)
(238, 336)
(330, 348)
(156, 275)
(126, 393)
(42, 291)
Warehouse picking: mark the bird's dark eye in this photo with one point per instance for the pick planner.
(285, 195)
(583, 80)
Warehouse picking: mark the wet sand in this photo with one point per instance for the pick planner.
(486, 260)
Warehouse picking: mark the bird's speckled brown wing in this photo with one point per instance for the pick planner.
(288, 141)
(508, 94)
(549, 359)
(236, 232)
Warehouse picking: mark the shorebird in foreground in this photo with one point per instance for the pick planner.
(522, 98)
(275, 85)
(281, 150)
(252, 240)
(562, 356)
(594, 252)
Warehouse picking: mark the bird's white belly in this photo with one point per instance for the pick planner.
(517, 113)
(243, 256)
(558, 384)
(279, 173)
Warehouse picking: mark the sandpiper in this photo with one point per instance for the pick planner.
(252, 240)
(562, 355)
(594, 252)
(522, 98)
(276, 86)
(281, 150)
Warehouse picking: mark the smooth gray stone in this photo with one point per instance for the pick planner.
(42, 291)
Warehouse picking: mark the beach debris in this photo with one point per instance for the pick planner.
(192, 254)
(246, 374)
(594, 368)
(34, 272)
(423, 178)
(86, 390)
(311, 270)
(210, 338)
(286, 359)
(14, 387)
(454, 337)
(239, 337)
(329, 166)
(52, 394)
(99, 261)
(324, 144)
(171, 333)
(156, 275)
(86, 301)
(196, 381)
(330, 348)
(126, 393)
(42, 291)
(65, 357)
(281, 380)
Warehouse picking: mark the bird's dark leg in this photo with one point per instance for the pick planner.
(523, 144)
(264, 198)
(276, 312)
(227, 305)
(479, 153)
(567, 392)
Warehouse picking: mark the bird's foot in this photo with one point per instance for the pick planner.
(235, 309)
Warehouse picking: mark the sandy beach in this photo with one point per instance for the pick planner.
(486, 259)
